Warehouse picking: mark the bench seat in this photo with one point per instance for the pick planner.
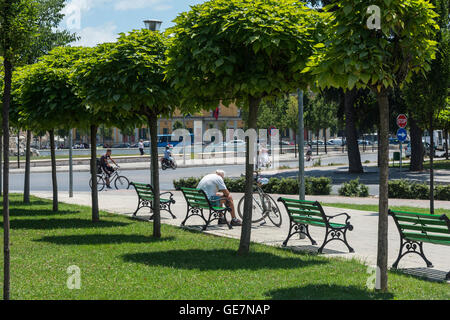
(197, 202)
(303, 213)
(418, 228)
(146, 198)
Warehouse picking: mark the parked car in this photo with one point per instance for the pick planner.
(235, 143)
(364, 142)
(336, 142)
(318, 142)
(121, 145)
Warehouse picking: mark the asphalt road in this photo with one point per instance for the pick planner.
(42, 181)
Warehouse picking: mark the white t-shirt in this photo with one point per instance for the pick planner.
(141, 145)
(211, 184)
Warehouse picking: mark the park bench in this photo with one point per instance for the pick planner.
(146, 198)
(417, 228)
(198, 202)
(303, 214)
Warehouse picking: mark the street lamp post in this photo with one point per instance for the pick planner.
(152, 25)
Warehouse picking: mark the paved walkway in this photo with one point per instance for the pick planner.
(363, 238)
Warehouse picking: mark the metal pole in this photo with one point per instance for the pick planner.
(401, 156)
(150, 153)
(71, 165)
(301, 145)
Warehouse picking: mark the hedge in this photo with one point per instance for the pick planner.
(405, 189)
(313, 186)
(354, 188)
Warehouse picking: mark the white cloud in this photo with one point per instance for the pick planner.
(158, 5)
(91, 36)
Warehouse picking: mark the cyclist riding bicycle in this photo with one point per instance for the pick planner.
(106, 167)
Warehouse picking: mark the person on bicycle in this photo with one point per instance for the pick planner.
(106, 167)
(218, 194)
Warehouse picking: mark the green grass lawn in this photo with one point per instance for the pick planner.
(120, 260)
(374, 208)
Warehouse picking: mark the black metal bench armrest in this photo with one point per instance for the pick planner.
(338, 215)
(171, 195)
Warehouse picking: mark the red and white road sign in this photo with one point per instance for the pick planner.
(402, 121)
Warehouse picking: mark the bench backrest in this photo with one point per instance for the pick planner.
(196, 198)
(143, 190)
(431, 226)
(304, 210)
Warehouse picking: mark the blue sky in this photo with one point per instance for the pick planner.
(98, 21)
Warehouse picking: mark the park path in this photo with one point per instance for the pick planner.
(363, 238)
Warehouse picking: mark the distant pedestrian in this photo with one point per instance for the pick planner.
(141, 147)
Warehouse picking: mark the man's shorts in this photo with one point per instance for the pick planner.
(215, 201)
(108, 170)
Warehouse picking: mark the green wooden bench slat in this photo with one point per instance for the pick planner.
(301, 205)
(427, 238)
(422, 221)
(306, 218)
(425, 215)
(424, 228)
(297, 200)
(305, 212)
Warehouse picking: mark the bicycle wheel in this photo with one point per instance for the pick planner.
(272, 211)
(122, 183)
(257, 206)
(100, 183)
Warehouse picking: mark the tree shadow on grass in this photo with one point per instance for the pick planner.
(48, 224)
(97, 239)
(218, 260)
(35, 212)
(19, 203)
(327, 292)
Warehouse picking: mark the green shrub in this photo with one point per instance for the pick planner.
(318, 186)
(419, 191)
(191, 182)
(354, 188)
(400, 189)
(313, 186)
(442, 192)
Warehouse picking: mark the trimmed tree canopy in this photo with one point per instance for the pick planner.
(354, 55)
(128, 74)
(227, 49)
(44, 97)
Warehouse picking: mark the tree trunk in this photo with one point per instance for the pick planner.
(431, 164)
(54, 179)
(18, 148)
(6, 225)
(1, 165)
(325, 140)
(317, 142)
(153, 126)
(446, 146)
(382, 254)
(244, 246)
(26, 189)
(354, 156)
(94, 190)
(417, 150)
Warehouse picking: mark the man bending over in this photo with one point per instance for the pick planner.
(218, 194)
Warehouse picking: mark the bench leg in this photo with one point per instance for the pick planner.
(298, 229)
(336, 234)
(166, 207)
(411, 247)
(194, 212)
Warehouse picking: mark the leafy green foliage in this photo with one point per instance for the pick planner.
(233, 49)
(354, 188)
(44, 98)
(355, 56)
(314, 186)
(127, 77)
(18, 26)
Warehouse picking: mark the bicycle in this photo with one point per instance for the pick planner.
(120, 182)
(263, 203)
